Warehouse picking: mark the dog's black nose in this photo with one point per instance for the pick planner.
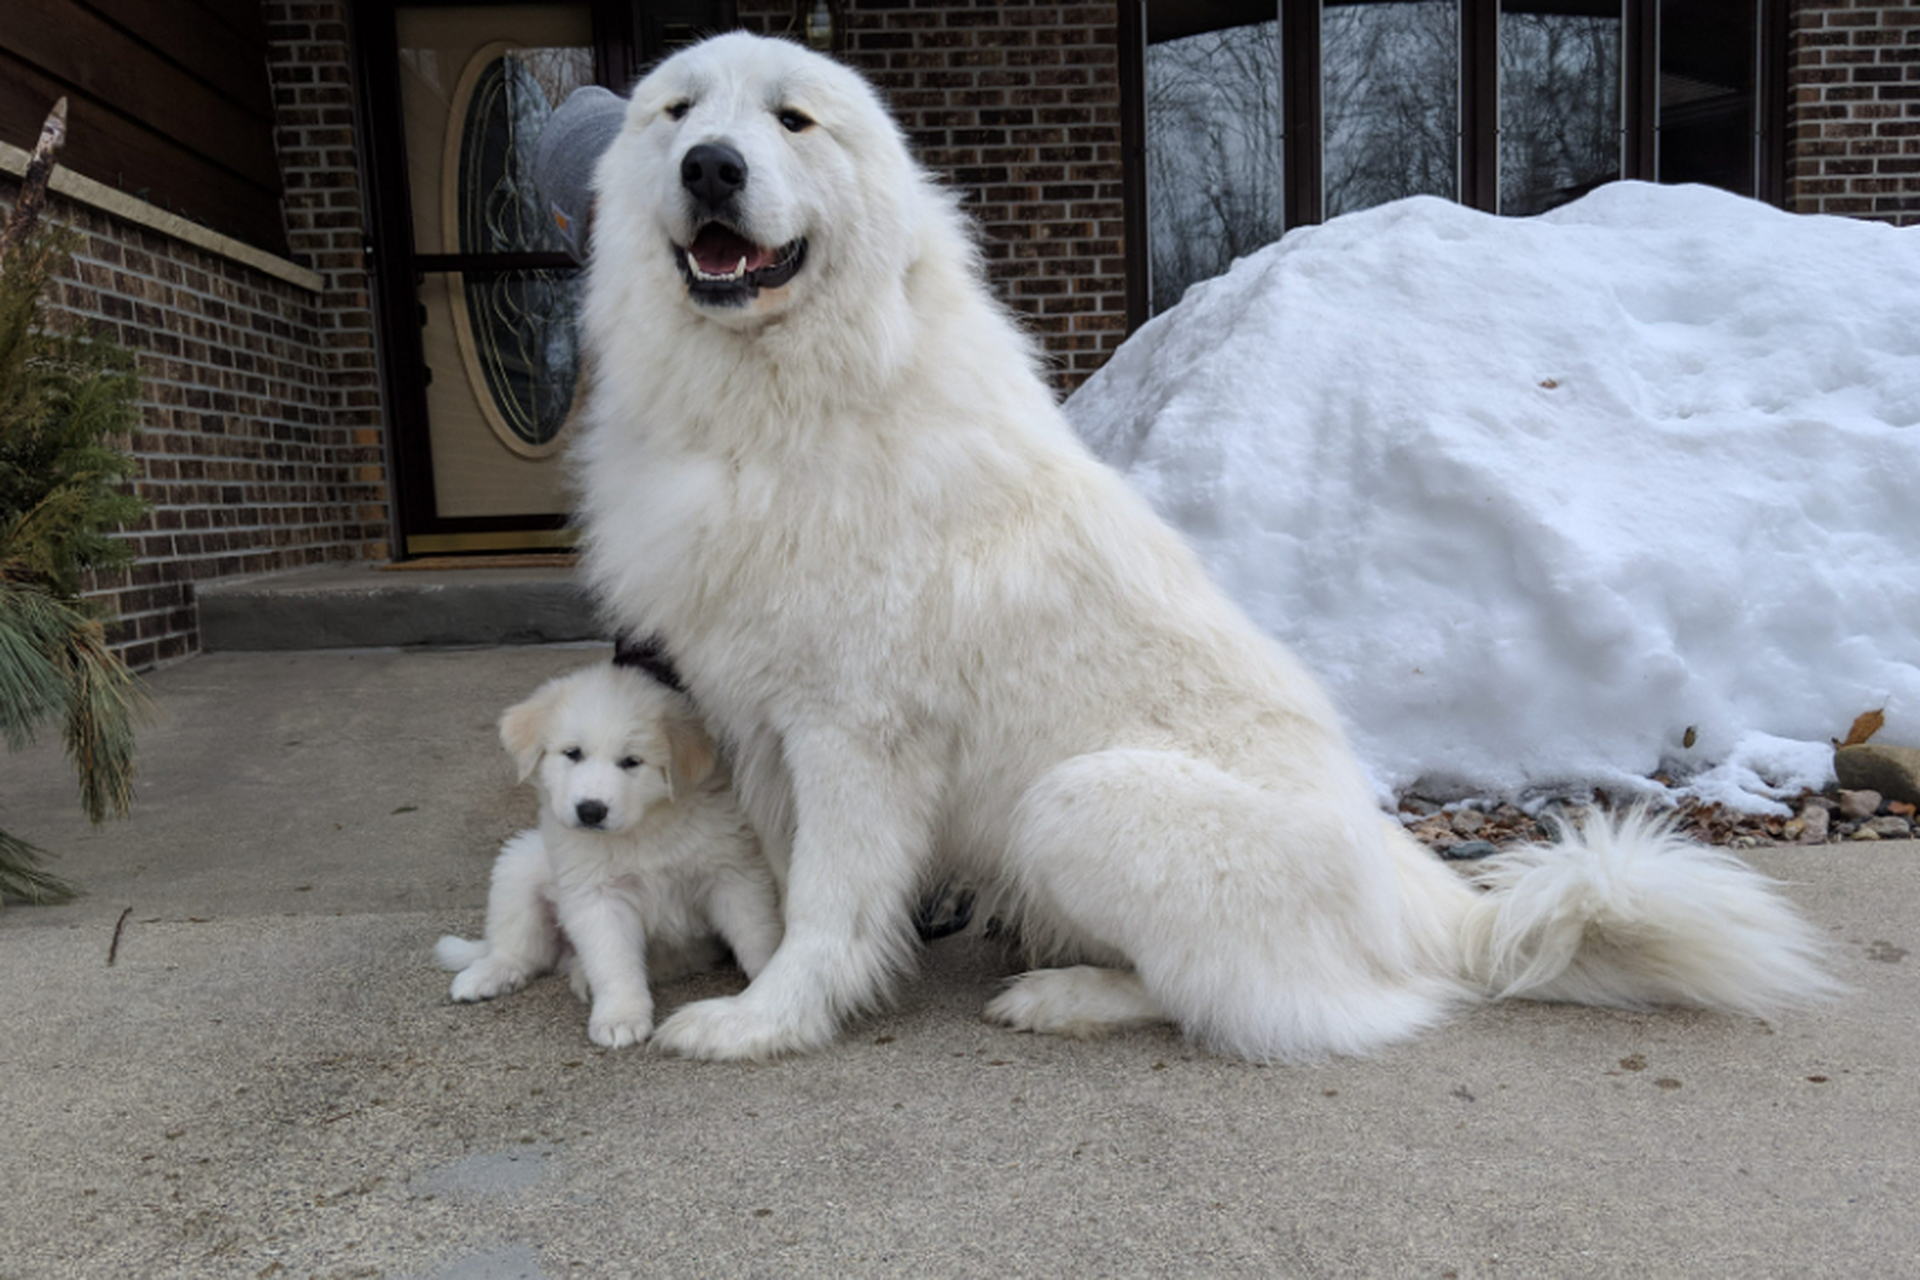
(713, 173)
(590, 812)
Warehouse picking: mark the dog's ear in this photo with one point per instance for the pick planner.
(690, 754)
(523, 729)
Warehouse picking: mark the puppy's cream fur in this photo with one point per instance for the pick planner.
(641, 852)
(942, 639)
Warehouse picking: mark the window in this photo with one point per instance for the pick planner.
(1561, 130)
(1260, 115)
(1389, 102)
(1214, 182)
(1707, 130)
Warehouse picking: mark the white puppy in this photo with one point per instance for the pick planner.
(641, 852)
(942, 639)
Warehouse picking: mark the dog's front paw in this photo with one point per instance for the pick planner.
(492, 975)
(620, 1024)
(730, 1029)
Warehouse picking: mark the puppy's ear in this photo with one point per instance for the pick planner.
(523, 729)
(690, 754)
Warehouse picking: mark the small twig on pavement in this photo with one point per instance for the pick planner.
(120, 924)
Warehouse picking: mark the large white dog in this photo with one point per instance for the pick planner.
(942, 639)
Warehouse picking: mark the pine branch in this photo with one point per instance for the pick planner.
(63, 400)
(21, 877)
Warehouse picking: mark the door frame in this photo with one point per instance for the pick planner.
(627, 36)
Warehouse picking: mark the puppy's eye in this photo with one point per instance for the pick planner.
(793, 121)
(630, 762)
(678, 111)
(574, 754)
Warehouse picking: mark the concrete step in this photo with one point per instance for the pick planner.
(381, 606)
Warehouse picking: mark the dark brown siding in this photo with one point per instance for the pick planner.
(168, 101)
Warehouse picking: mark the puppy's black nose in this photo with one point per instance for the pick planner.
(713, 173)
(590, 812)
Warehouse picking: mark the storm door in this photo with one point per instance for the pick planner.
(480, 301)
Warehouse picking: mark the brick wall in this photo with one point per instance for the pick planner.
(1019, 104)
(259, 443)
(1853, 81)
(234, 443)
(310, 61)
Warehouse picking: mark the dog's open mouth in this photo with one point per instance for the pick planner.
(722, 266)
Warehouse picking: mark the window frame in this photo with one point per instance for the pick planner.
(1145, 22)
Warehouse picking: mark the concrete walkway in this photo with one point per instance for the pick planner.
(268, 1079)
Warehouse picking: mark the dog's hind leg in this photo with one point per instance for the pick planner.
(746, 913)
(1273, 927)
(863, 833)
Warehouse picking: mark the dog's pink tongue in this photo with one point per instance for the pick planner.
(718, 251)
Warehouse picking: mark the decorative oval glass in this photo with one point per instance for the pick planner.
(517, 329)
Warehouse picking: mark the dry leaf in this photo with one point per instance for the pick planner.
(1865, 727)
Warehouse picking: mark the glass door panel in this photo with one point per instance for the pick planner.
(498, 295)
(1215, 180)
(1389, 102)
(1708, 127)
(1560, 122)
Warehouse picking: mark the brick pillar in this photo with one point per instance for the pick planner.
(311, 64)
(1854, 110)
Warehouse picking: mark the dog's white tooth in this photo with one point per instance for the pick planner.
(740, 271)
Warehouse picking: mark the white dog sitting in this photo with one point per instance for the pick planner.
(943, 641)
(641, 853)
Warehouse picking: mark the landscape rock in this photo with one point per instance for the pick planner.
(1890, 827)
(1856, 805)
(1892, 771)
(1813, 820)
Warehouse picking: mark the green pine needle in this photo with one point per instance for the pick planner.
(65, 401)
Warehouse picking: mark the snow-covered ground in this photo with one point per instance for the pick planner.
(1546, 500)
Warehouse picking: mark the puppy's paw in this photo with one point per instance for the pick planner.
(620, 1024)
(730, 1029)
(1082, 1002)
(491, 975)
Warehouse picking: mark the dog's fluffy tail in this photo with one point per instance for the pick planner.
(1628, 913)
(454, 954)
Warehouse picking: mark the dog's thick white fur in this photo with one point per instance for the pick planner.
(943, 640)
(641, 854)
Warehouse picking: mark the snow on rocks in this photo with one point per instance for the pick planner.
(1558, 503)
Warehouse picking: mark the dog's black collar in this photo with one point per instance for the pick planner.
(648, 656)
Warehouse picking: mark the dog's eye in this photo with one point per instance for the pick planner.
(678, 111)
(574, 754)
(793, 121)
(630, 762)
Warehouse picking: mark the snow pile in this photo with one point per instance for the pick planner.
(1553, 503)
